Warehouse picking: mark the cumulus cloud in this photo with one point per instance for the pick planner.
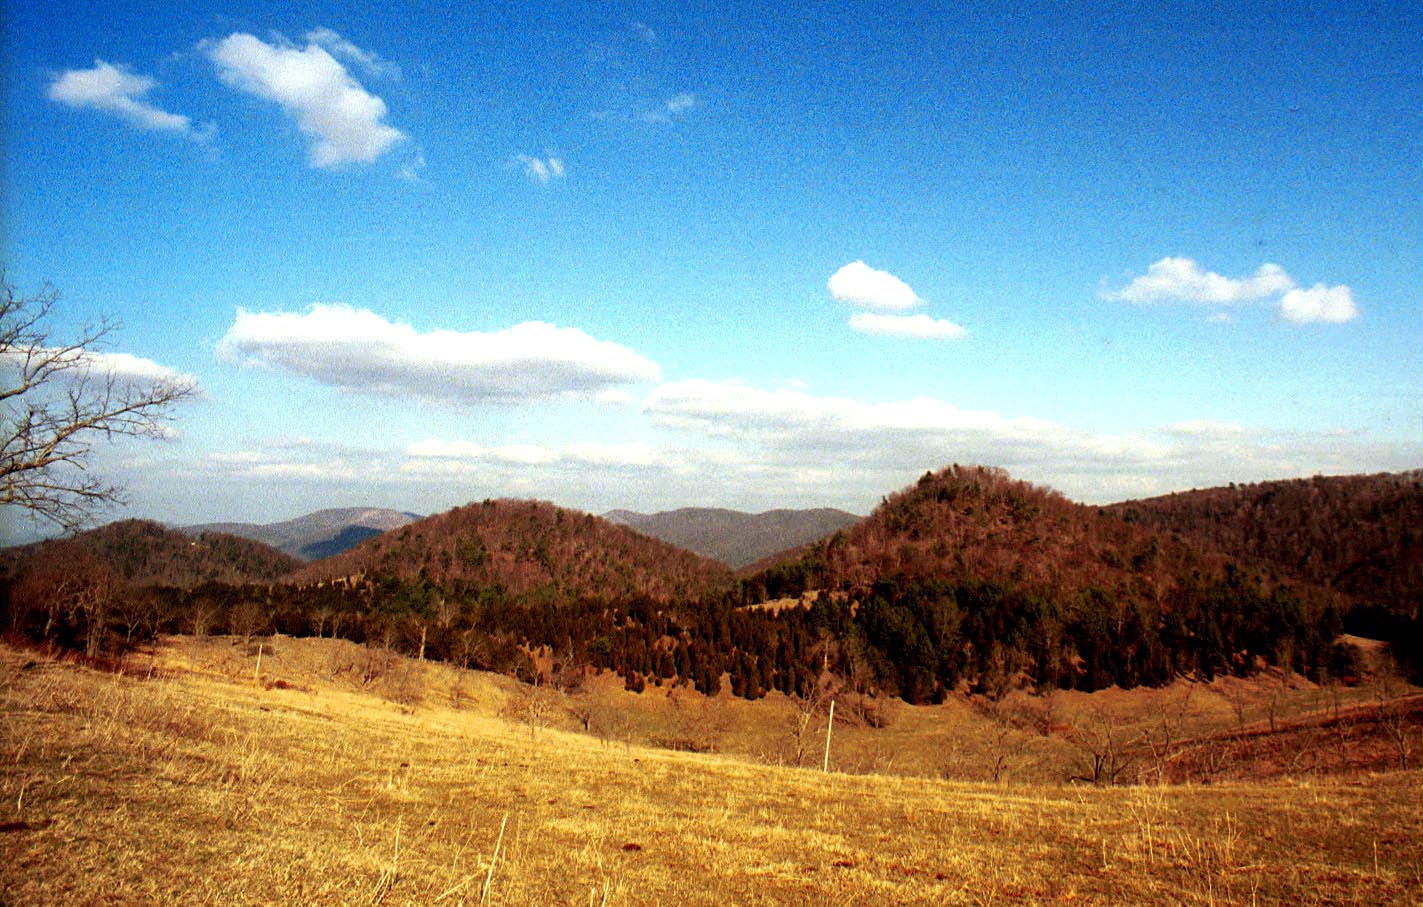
(859, 284)
(1319, 303)
(343, 120)
(1182, 280)
(359, 351)
(917, 326)
(542, 170)
(113, 89)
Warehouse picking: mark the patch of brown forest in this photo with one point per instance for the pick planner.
(144, 553)
(527, 547)
(1360, 534)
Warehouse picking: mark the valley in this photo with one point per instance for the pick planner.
(1034, 702)
(197, 776)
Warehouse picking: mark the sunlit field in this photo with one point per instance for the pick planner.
(322, 776)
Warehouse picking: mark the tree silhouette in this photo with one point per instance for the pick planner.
(59, 397)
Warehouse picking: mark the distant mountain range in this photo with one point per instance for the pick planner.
(736, 539)
(317, 535)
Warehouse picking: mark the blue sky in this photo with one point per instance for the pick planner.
(662, 255)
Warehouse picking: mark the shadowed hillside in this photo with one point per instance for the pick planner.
(527, 548)
(1360, 534)
(733, 537)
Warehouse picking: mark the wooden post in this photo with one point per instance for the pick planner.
(829, 723)
(257, 674)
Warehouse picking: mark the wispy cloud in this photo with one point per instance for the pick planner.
(344, 121)
(767, 436)
(88, 365)
(916, 326)
(411, 169)
(586, 453)
(673, 107)
(369, 61)
(542, 170)
(359, 351)
(116, 90)
(1172, 280)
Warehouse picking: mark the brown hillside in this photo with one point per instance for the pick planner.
(1362, 535)
(527, 548)
(977, 523)
(144, 553)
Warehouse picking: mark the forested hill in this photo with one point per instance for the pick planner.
(144, 553)
(970, 575)
(1360, 534)
(527, 549)
(977, 523)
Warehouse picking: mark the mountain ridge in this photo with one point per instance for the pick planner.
(736, 538)
(316, 535)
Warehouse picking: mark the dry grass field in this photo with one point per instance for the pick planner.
(332, 776)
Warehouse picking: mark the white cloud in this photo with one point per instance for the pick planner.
(787, 417)
(861, 285)
(1182, 280)
(917, 326)
(358, 350)
(90, 364)
(410, 170)
(344, 121)
(644, 32)
(1206, 428)
(787, 442)
(113, 89)
(369, 61)
(584, 453)
(675, 106)
(543, 170)
(1319, 303)
(126, 367)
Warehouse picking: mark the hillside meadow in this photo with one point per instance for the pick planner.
(200, 777)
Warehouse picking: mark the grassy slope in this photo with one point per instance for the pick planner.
(200, 787)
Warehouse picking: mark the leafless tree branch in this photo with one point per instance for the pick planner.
(57, 401)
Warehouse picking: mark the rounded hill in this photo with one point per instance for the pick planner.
(528, 549)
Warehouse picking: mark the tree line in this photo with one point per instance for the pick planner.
(913, 638)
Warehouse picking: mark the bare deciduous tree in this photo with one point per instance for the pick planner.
(58, 398)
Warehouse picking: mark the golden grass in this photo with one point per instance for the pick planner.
(201, 785)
